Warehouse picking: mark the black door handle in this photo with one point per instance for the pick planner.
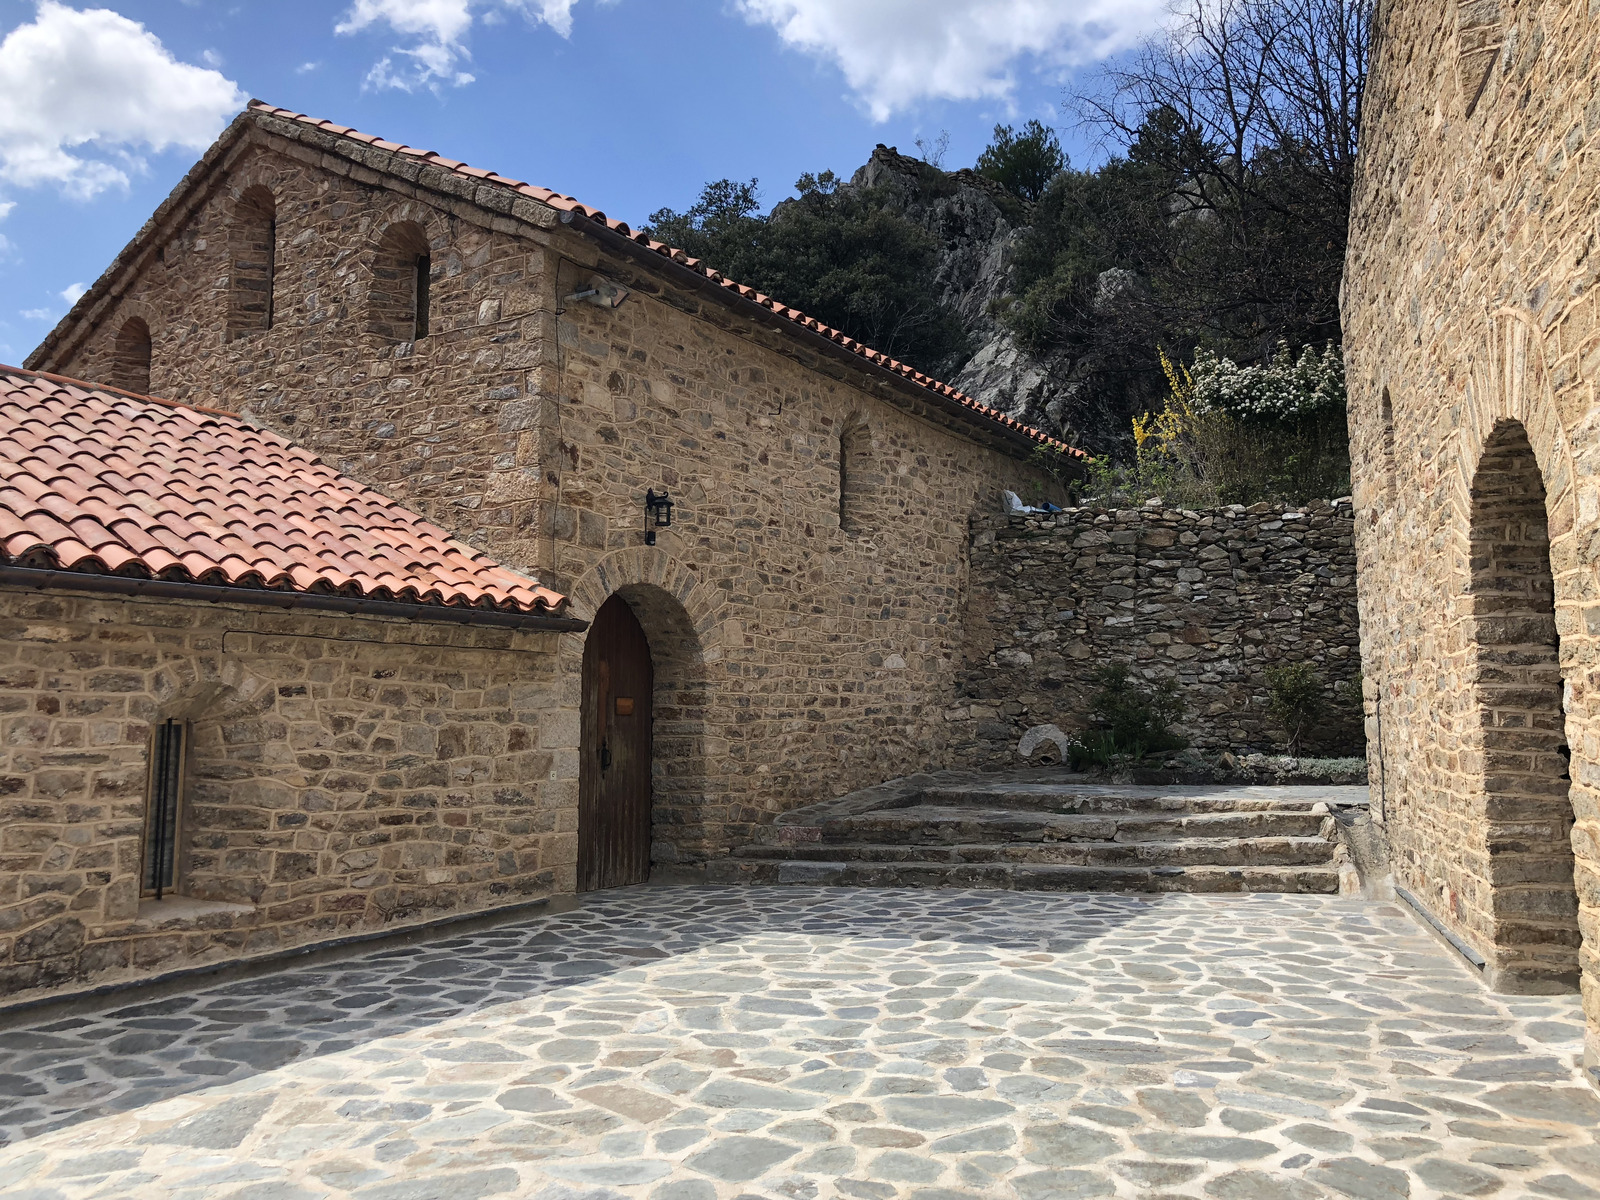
(605, 754)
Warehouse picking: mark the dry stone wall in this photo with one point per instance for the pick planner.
(344, 774)
(1209, 599)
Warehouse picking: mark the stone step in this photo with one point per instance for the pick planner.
(1028, 877)
(930, 825)
(1113, 799)
(1187, 852)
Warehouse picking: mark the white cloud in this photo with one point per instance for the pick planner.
(73, 292)
(38, 314)
(439, 31)
(94, 79)
(895, 53)
(5, 208)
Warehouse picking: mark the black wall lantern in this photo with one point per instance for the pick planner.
(657, 508)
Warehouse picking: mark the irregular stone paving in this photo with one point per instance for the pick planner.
(701, 1043)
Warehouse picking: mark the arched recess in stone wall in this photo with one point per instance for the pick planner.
(1521, 582)
(252, 260)
(860, 477)
(224, 706)
(131, 353)
(398, 300)
(681, 615)
(1480, 32)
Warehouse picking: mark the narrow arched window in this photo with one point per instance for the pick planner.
(1480, 33)
(130, 357)
(1386, 457)
(253, 255)
(397, 306)
(858, 481)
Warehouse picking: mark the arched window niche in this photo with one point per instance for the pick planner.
(858, 477)
(252, 268)
(397, 305)
(130, 357)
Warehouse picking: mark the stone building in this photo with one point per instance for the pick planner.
(246, 702)
(535, 378)
(1473, 353)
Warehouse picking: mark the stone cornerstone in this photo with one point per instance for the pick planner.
(1473, 351)
(1209, 599)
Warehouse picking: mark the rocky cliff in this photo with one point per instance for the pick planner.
(978, 225)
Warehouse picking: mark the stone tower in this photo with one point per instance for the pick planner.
(1473, 351)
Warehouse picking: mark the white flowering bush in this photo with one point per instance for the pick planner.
(1227, 434)
(1283, 389)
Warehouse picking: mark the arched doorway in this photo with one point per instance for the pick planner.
(1518, 691)
(614, 779)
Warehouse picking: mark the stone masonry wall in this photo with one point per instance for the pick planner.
(344, 774)
(797, 658)
(1472, 342)
(1210, 599)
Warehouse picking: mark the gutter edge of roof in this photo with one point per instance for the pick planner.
(52, 579)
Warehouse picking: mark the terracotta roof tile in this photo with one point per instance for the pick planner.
(102, 481)
(569, 204)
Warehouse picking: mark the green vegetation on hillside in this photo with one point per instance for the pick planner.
(843, 255)
(1215, 232)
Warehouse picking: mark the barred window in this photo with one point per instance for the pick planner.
(163, 810)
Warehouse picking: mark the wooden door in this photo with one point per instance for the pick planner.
(614, 777)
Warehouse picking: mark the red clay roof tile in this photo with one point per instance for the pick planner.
(569, 204)
(102, 481)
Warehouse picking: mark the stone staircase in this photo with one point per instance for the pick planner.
(1053, 831)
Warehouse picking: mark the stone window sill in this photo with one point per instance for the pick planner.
(184, 912)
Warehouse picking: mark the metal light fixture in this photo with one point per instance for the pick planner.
(601, 293)
(657, 508)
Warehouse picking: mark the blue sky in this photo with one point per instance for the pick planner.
(628, 104)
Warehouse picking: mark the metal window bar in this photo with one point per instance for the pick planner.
(161, 836)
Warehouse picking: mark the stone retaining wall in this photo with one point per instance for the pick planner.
(1209, 598)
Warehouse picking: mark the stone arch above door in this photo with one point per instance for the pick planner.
(683, 618)
(1511, 381)
(1509, 394)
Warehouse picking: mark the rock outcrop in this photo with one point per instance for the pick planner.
(978, 225)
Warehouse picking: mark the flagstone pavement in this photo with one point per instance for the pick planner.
(706, 1043)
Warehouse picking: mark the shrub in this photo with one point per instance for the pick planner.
(1228, 434)
(1130, 720)
(1295, 700)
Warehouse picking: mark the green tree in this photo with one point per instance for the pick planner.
(1023, 163)
(842, 254)
(727, 216)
